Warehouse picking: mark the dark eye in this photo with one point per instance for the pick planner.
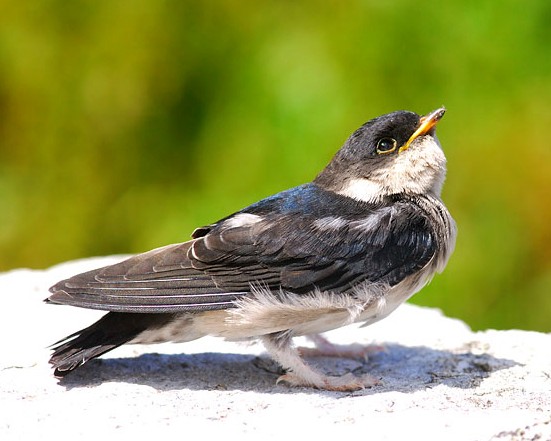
(386, 145)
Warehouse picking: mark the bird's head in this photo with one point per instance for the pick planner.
(397, 153)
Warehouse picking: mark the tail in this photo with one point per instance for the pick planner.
(111, 331)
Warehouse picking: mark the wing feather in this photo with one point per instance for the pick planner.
(280, 250)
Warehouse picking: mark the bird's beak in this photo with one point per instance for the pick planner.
(427, 123)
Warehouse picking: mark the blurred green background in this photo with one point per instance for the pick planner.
(126, 124)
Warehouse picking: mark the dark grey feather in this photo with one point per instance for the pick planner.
(382, 242)
(111, 331)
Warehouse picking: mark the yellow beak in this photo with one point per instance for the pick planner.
(427, 122)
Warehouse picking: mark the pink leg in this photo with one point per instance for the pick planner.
(324, 348)
(300, 374)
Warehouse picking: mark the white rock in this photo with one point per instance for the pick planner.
(441, 381)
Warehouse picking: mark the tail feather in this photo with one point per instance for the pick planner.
(111, 331)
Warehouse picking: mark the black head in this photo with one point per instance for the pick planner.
(379, 154)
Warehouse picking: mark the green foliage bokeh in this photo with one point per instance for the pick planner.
(126, 124)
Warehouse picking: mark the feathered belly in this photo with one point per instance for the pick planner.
(267, 313)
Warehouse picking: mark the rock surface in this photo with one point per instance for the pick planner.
(440, 380)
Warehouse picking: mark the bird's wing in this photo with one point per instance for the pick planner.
(275, 251)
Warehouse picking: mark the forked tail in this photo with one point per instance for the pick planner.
(112, 330)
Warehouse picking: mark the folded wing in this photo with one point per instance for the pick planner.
(278, 251)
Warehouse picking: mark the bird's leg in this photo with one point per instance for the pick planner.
(324, 348)
(280, 347)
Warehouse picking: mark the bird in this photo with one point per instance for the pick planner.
(368, 232)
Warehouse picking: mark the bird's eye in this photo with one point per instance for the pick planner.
(386, 145)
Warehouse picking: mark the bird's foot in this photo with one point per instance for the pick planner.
(324, 348)
(301, 374)
(344, 383)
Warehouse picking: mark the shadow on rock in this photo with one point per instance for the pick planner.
(408, 369)
(400, 368)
